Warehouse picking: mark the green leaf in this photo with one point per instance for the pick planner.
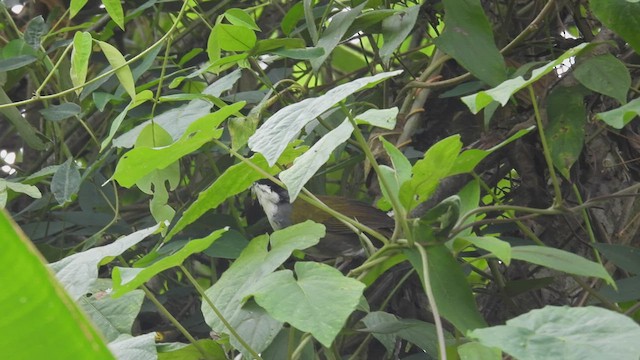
(36, 28)
(28, 190)
(280, 129)
(555, 332)
(395, 30)
(37, 307)
(79, 272)
(141, 347)
(382, 118)
(140, 161)
(234, 37)
(499, 248)
(241, 18)
(386, 328)
(476, 351)
(117, 61)
(80, 58)
(233, 181)
(322, 297)
(428, 171)
(621, 16)
(65, 182)
(606, 75)
(620, 117)
(114, 8)
(305, 166)
(75, 7)
(560, 260)
(332, 35)
(60, 112)
(469, 159)
(503, 92)
(300, 54)
(624, 257)
(112, 317)
(291, 18)
(128, 279)
(16, 62)
(267, 45)
(190, 352)
(565, 130)
(452, 293)
(229, 293)
(625, 290)
(468, 38)
(26, 131)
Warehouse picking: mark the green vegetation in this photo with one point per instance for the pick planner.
(499, 135)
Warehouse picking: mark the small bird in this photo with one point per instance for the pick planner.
(340, 240)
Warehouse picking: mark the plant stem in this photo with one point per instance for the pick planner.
(557, 201)
(226, 323)
(432, 301)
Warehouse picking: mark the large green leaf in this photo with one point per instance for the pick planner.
(80, 54)
(468, 38)
(560, 260)
(503, 92)
(79, 272)
(306, 165)
(112, 317)
(565, 130)
(229, 293)
(128, 279)
(605, 74)
(118, 62)
(428, 171)
(114, 8)
(337, 28)
(395, 30)
(451, 290)
(280, 129)
(318, 300)
(624, 257)
(619, 117)
(555, 332)
(65, 182)
(140, 161)
(621, 16)
(40, 320)
(235, 37)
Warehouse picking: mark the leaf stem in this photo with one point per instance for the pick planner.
(432, 301)
(557, 201)
(226, 323)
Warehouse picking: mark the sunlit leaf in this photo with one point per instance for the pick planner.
(503, 92)
(117, 61)
(80, 58)
(37, 307)
(280, 129)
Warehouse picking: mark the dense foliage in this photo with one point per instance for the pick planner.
(499, 135)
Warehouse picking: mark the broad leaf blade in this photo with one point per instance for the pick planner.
(452, 292)
(560, 260)
(565, 333)
(280, 129)
(503, 92)
(468, 38)
(318, 300)
(128, 279)
(306, 165)
(40, 320)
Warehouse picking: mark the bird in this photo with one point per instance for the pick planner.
(340, 240)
